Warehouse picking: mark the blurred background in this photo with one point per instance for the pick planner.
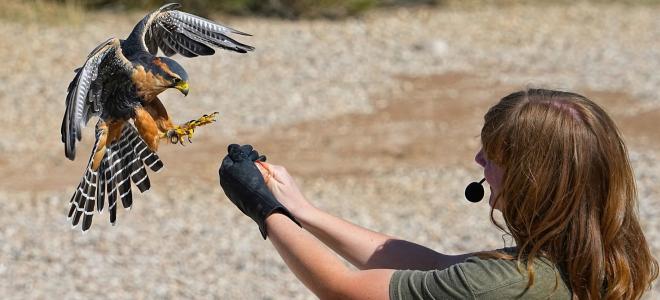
(375, 106)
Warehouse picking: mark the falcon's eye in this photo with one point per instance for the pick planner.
(177, 80)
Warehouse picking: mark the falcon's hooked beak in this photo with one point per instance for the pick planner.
(182, 86)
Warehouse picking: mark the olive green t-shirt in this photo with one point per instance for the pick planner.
(477, 278)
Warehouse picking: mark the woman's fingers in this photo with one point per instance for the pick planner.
(265, 170)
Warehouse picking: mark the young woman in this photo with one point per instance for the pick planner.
(558, 172)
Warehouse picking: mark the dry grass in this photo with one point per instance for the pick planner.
(38, 11)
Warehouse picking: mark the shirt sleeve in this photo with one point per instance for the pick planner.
(449, 283)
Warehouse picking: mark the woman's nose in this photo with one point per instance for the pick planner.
(480, 159)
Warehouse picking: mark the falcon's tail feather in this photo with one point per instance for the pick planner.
(122, 163)
(83, 200)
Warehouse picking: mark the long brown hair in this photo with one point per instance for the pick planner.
(568, 192)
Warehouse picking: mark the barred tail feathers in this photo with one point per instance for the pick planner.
(122, 163)
(83, 200)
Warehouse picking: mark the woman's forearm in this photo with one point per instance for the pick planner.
(362, 247)
(319, 269)
(367, 249)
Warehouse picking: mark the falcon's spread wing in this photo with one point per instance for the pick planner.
(84, 93)
(175, 31)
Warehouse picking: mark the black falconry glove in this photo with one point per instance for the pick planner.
(244, 185)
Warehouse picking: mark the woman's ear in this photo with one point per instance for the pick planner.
(480, 158)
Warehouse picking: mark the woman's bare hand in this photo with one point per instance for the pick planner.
(284, 188)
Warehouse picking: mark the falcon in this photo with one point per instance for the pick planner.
(119, 83)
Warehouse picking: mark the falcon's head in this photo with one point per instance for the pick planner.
(170, 74)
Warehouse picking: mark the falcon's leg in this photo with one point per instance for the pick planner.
(147, 128)
(110, 131)
(100, 149)
(168, 130)
(159, 114)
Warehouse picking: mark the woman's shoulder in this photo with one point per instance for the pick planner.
(504, 278)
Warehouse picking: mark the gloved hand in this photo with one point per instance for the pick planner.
(244, 185)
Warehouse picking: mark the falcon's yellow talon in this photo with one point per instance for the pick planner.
(177, 133)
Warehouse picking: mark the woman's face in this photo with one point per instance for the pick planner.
(493, 174)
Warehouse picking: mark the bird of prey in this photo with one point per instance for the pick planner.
(119, 83)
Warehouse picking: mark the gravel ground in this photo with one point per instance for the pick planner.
(378, 117)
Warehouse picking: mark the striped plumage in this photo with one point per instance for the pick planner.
(125, 160)
(119, 83)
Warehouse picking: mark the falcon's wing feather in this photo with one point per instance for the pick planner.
(84, 93)
(175, 31)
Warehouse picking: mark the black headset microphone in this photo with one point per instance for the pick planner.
(474, 192)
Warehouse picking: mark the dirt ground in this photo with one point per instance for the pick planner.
(378, 118)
